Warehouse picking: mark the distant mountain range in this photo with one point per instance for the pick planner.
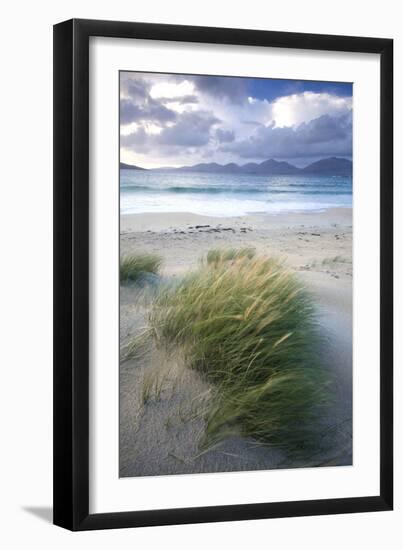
(332, 166)
(130, 167)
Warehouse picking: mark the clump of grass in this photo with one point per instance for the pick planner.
(216, 255)
(153, 385)
(249, 326)
(134, 266)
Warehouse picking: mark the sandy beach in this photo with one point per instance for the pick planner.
(162, 434)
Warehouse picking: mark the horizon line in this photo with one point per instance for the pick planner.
(234, 163)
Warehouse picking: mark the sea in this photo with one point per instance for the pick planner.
(227, 195)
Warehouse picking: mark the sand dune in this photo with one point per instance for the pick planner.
(159, 397)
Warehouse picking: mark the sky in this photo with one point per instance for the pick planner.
(177, 120)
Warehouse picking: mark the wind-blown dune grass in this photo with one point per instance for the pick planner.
(249, 326)
(134, 266)
(216, 255)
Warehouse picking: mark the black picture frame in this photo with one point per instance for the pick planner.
(71, 274)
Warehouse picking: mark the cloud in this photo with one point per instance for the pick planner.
(224, 136)
(139, 140)
(252, 122)
(137, 104)
(190, 118)
(326, 135)
(150, 111)
(137, 89)
(222, 87)
(297, 108)
(192, 129)
(183, 100)
(170, 87)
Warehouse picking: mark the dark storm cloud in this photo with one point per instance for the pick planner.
(192, 129)
(140, 106)
(137, 89)
(220, 87)
(325, 136)
(224, 136)
(326, 129)
(150, 111)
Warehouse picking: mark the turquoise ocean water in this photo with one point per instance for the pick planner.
(230, 194)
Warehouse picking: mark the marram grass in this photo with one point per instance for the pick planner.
(134, 266)
(249, 326)
(216, 255)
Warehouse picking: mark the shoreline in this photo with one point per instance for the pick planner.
(160, 220)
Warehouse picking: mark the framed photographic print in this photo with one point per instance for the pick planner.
(223, 321)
